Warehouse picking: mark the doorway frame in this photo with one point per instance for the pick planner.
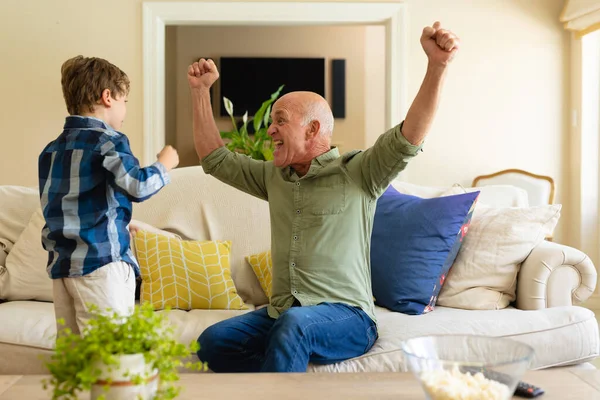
(157, 15)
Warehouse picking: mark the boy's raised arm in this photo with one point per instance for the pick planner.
(139, 183)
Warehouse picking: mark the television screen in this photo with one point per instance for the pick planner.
(247, 82)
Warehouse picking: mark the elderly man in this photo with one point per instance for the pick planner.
(322, 207)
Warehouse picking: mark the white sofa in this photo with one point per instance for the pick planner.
(197, 206)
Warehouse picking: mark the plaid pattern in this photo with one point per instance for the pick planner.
(88, 179)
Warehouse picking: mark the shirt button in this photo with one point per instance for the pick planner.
(295, 237)
(297, 183)
(297, 211)
(295, 292)
(293, 264)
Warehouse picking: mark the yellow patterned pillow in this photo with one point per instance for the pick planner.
(185, 274)
(262, 265)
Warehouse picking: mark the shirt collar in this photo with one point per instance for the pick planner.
(328, 157)
(315, 164)
(79, 122)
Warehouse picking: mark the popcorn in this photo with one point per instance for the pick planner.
(456, 385)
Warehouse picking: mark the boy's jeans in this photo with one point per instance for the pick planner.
(254, 342)
(112, 285)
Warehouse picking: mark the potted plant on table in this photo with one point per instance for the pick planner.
(135, 357)
(260, 146)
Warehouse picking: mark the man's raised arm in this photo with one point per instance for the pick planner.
(201, 76)
(237, 170)
(440, 45)
(377, 166)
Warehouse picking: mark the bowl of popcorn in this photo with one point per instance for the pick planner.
(465, 367)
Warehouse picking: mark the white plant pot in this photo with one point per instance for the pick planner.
(121, 387)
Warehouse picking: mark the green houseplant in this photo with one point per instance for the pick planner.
(259, 147)
(135, 357)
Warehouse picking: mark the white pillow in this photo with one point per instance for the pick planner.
(494, 195)
(24, 277)
(484, 274)
(17, 206)
(425, 192)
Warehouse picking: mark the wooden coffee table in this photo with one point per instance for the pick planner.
(559, 384)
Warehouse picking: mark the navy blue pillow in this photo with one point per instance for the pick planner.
(413, 245)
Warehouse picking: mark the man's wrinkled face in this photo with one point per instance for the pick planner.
(288, 134)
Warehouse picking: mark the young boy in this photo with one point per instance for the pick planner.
(88, 179)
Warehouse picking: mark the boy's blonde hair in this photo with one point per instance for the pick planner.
(83, 80)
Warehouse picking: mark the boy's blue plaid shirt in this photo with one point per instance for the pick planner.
(88, 178)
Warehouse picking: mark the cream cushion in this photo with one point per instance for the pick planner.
(17, 205)
(24, 277)
(484, 274)
(559, 336)
(4, 247)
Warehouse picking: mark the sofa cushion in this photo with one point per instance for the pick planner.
(134, 226)
(33, 324)
(185, 274)
(25, 276)
(18, 204)
(413, 245)
(560, 336)
(262, 265)
(484, 275)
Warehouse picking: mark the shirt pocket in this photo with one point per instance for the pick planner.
(328, 195)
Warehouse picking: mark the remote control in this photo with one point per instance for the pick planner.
(523, 389)
(527, 390)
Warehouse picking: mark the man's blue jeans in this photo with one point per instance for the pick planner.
(254, 342)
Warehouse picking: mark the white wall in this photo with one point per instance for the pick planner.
(506, 99)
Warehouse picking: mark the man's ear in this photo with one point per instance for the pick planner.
(106, 98)
(313, 129)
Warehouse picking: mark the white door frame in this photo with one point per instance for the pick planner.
(157, 15)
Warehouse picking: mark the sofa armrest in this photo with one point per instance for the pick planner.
(555, 275)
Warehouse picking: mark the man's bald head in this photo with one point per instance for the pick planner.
(310, 107)
(301, 130)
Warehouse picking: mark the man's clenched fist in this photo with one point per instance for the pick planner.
(202, 74)
(439, 44)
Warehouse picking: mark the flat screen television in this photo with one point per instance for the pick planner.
(248, 81)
